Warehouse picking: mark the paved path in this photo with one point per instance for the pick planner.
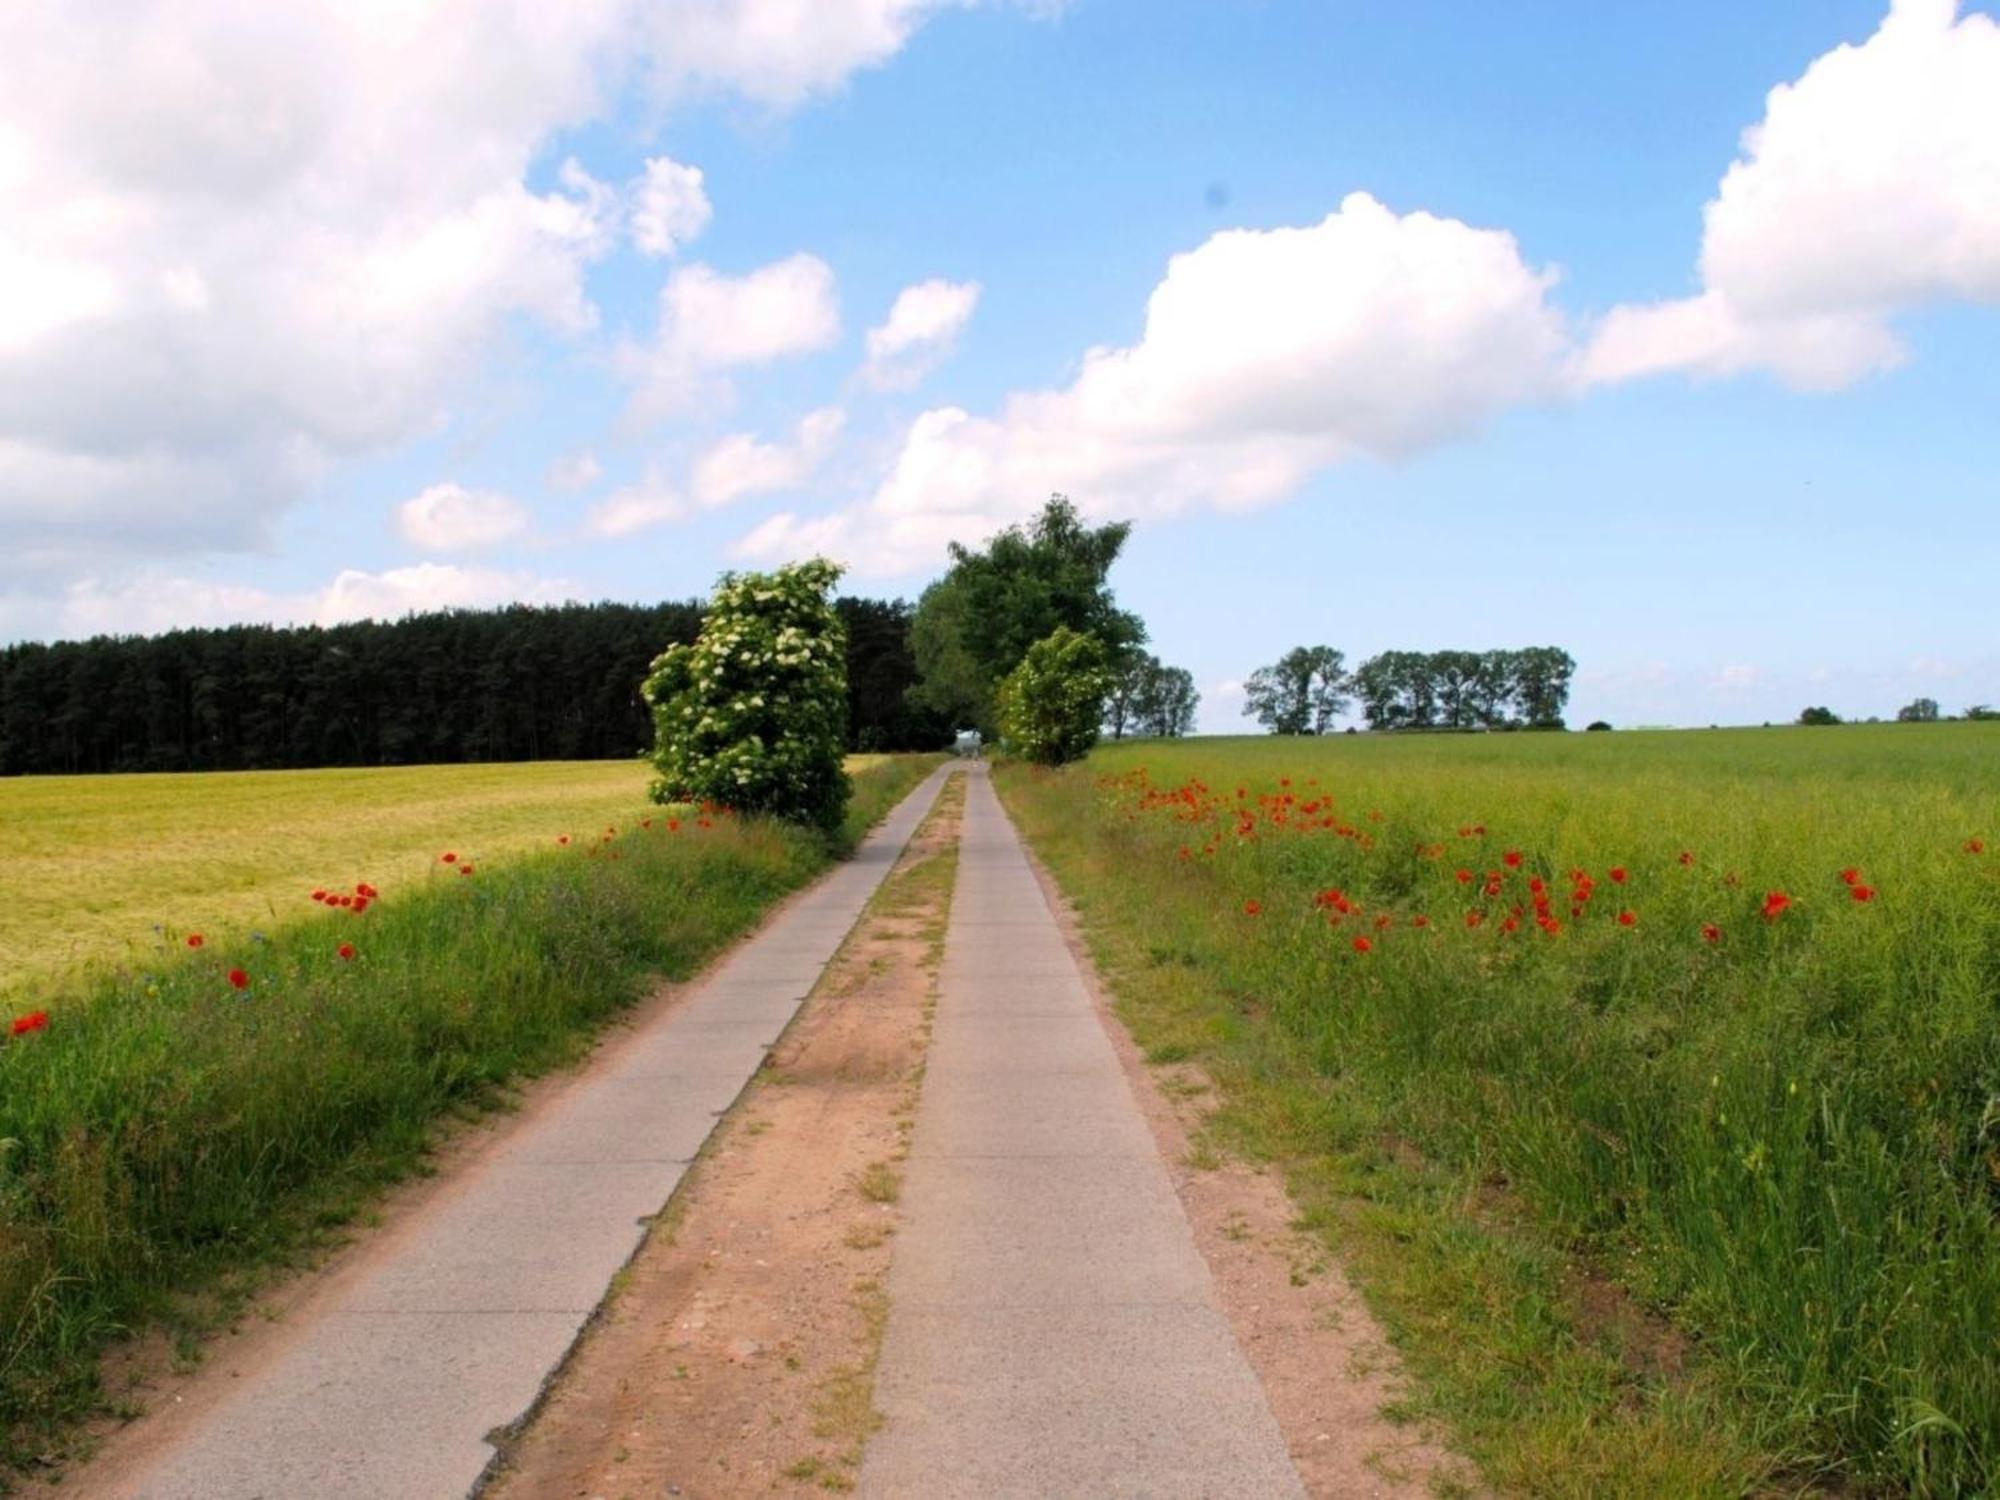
(389, 1387)
(1053, 1331)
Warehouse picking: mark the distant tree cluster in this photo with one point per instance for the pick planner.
(1916, 711)
(1308, 688)
(521, 683)
(1149, 698)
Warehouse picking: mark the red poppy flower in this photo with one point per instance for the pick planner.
(1253, 908)
(1362, 945)
(1576, 911)
(1627, 918)
(1474, 918)
(1710, 933)
(1493, 885)
(673, 825)
(645, 822)
(1617, 874)
(345, 950)
(1536, 885)
(448, 857)
(1420, 920)
(1862, 892)
(1465, 877)
(360, 905)
(703, 823)
(1687, 857)
(1975, 846)
(319, 895)
(1774, 905)
(1850, 876)
(1512, 924)
(1381, 923)
(1511, 859)
(195, 940)
(1549, 925)
(34, 1020)
(365, 889)
(238, 979)
(466, 868)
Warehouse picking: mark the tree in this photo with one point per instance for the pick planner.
(976, 623)
(1541, 685)
(1982, 712)
(1301, 693)
(1596, 726)
(881, 670)
(753, 715)
(1818, 716)
(1051, 706)
(1148, 697)
(1920, 711)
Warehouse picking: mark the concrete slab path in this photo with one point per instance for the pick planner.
(1053, 1331)
(393, 1381)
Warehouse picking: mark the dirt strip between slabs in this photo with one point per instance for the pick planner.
(737, 1354)
(398, 1372)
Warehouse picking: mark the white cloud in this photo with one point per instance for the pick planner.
(711, 322)
(1871, 185)
(149, 601)
(451, 518)
(633, 508)
(669, 206)
(740, 465)
(1736, 677)
(921, 331)
(236, 252)
(1266, 355)
(574, 471)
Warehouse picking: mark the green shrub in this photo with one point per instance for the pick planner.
(1052, 704)
(753, 715)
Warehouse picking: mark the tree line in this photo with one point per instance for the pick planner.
(1305, 690)
(518, 683)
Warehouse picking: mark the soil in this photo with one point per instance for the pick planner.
(737, 1354)
(1327, 1368)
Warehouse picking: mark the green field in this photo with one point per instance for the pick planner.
(188, 1115)
(109, 869)
(1688, 1190)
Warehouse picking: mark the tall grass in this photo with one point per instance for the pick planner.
(1787, 1139)
(168, 1125)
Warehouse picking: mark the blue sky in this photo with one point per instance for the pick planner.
(311, 338)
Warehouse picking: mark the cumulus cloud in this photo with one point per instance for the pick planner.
(669, 206)
(574, 471)
(233, 256)
(741, 466)
(451, 518)
(920, 333)
(635, 507)
(1871, 185)
(149, 601)
(711, 322)
(1266, 355)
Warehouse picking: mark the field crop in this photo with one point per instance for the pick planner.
(1649, 1083)
(208, 1099)
(103, 868)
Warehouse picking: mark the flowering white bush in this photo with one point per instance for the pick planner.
(1052, 704)
(753, 715)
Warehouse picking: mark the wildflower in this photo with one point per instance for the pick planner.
(319, 895)
(1381, 923)
(1618, 873)
(238, 980)
(448, 857)
(1511, 859)
(673, 825)
(1627, 918)
(466, 868)
(1710, 933)
(360, 905)
(1975, 846)
(1549, 925)
(1850, 876)
(1535, 884)
(1420, 920)
(1465, 877)
(345, 950)
(1362, 945)
(1493, 885)
(1687, 856)
(1253, 908)
(1512, 924)
(562, 838)
(1775, 904)
(34, 1020)
(1474, 918)
(195, 940)
(1862, 892)
(367, 890)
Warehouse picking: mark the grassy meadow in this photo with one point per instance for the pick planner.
(109, 869)
(189, 1114)
(1648, 1084)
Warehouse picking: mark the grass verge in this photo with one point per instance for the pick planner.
(172, 1128)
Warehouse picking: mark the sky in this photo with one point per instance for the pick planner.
(1665, 334)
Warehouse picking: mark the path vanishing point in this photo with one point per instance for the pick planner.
(1053, 1329)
